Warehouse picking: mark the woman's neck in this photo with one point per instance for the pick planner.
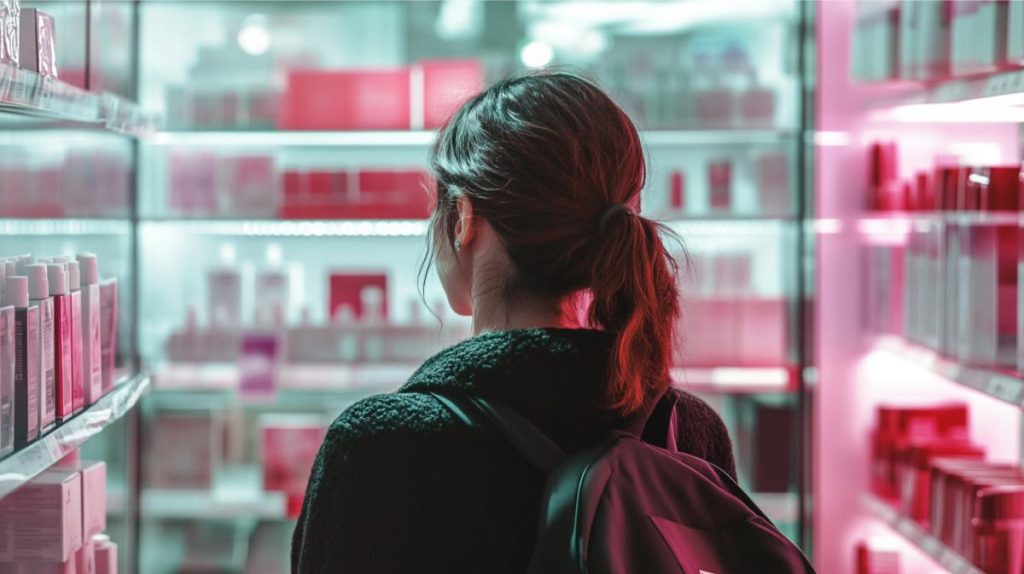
(494, 312)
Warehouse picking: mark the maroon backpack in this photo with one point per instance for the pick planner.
(627, 506)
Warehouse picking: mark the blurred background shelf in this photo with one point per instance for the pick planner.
(30, 100)
(998, 87)
(734, 380)
(237, 494)
(948, 559)
(1005, 386)
(25, 464)
(424, 138)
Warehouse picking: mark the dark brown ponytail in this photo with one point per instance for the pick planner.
(556, 168)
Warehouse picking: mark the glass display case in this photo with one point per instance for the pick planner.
(69, 133)
(917, 224)
(282, 221)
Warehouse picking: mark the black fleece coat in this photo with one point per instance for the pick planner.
(402, 486)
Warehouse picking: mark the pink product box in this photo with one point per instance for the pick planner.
(347, 100)
(447, 84)
(94, 495)
(187, 449)
(42, 520)
(715, 108)
(290, 445)
(746, 331)
(108, 332)
(224, 290)
(37, 51)
(719, 175)
(757, 108)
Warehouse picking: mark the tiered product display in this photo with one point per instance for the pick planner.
(69, 381)
(919, 190)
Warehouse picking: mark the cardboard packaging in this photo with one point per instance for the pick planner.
(78, 376)
(290, 444)
(190, 442)
(94, 494)
(105, 554)
(37, 51)
(10, 23)
(42, 520)
(346, 290)
(998, 530)
(720, 185)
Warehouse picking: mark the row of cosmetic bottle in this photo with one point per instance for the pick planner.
(196, 444)
(925, 464)
(936, 40)
(78, 183)
(360, 329)
(207, 183)
(58, 333)
(55, 523)
(725, 189)
(27, 39)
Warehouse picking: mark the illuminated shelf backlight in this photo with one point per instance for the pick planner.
(1003, 386)
(995, 98)
(305, 228)
(424, 138)
(33, 227)
(741, 380)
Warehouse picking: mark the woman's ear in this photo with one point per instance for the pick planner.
(465, 228)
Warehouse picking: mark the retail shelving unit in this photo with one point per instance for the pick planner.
(206, 82)
(878, 345)
(67, 155)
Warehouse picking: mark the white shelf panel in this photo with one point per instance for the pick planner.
(733, 380)
(375, 378)
(25, 464)
(913, 533)
(781, 507)
(1004, 386)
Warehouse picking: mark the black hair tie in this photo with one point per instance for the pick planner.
(613, 211)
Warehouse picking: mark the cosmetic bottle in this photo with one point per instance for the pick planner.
(6, 371)
(108, 331)
(39, 295)
(92, 359)
(26, 361)
(58, 277)
(77, 366)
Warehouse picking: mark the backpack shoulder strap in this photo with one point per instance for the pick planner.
(529, 440)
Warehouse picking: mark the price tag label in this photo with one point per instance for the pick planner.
(1005, 388)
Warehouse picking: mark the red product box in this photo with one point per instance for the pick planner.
(447, 84)
(998, 532)
(898, 425)
(877, 558)
(914, 471)
(757, 108)
(677, 191)
(346, 290)
(253, 185)
(346, 100)
(290, 446)
(720, 184)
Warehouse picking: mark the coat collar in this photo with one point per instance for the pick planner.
(555, 377)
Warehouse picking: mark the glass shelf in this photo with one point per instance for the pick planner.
(75, 227)
(367, 378)
(424, 138)
(946, 557)
(1004, 386)
(237, 494)
(734, 380)
(28, 462)
(27, 97)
